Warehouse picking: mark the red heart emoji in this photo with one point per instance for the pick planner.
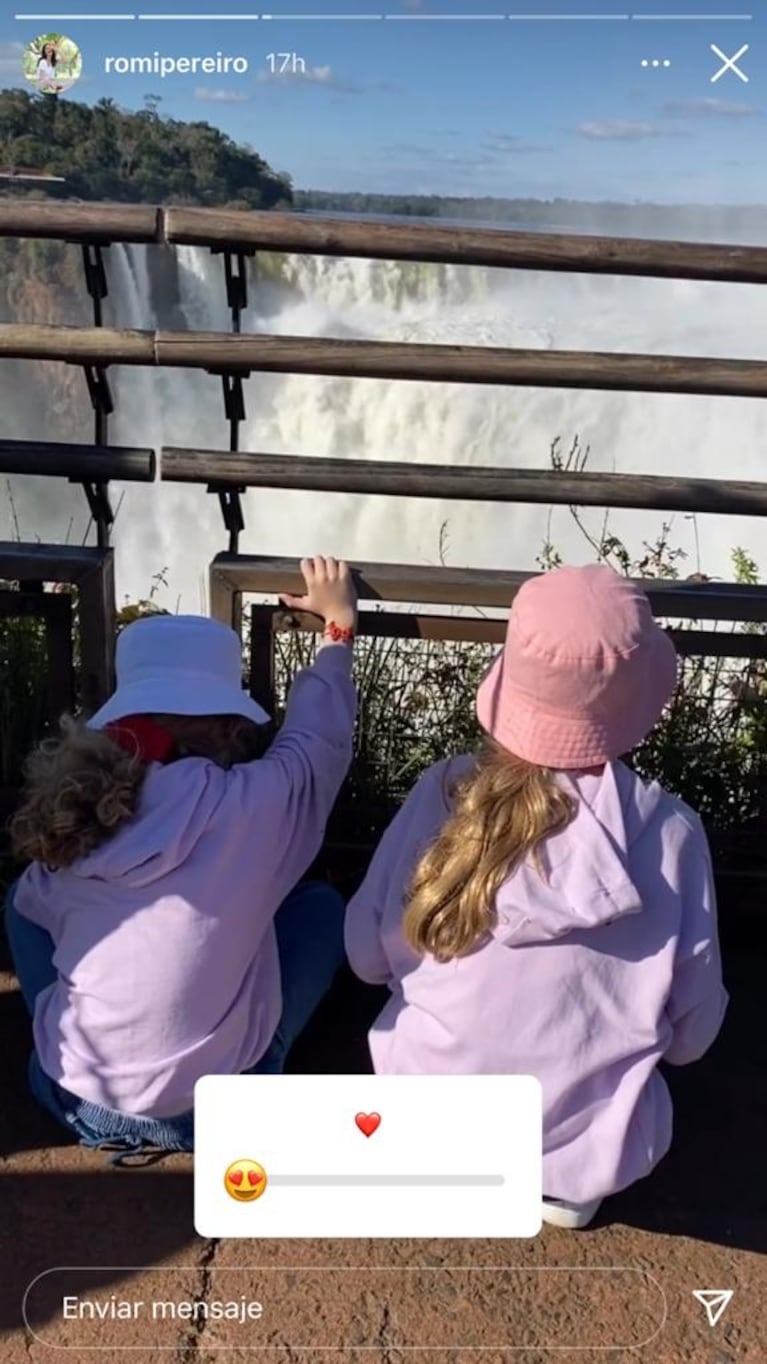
(368, 1122)
(235, 1177)
(254, 1179)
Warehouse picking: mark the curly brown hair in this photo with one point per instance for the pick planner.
(79, 788)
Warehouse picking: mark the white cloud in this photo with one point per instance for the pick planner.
(508, 144)
(618, 131)
(413, 155)
(323, 76)
(709, 108)
(203, 92)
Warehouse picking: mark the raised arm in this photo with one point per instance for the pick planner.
(291, 791)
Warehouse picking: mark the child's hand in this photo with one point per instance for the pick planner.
(330, 592)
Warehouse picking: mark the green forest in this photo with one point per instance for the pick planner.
(103, 152)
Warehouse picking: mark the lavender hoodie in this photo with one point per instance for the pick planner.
(589, 978)
(164, 938)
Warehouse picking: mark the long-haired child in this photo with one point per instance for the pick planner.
(539, 909)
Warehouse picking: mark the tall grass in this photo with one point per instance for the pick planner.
(415, 706)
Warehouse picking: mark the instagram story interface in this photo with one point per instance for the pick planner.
(383, 700)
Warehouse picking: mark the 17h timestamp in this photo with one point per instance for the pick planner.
(286, 64)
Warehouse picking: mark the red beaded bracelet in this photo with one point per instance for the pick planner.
(339, 634)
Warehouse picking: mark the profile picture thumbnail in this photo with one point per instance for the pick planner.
(52, 63)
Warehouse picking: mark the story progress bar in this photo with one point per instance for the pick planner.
(400, 18)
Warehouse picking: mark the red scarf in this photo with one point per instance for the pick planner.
(142, 737)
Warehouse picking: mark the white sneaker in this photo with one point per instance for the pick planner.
(572, 1216)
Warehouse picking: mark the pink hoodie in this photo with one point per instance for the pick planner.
(589, 978)
(164, 936)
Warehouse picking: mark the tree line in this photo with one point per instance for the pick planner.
(104, 152)
(712, 222)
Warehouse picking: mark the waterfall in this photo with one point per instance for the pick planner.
(180, 528)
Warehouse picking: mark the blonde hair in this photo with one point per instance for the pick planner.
(502, 812)
(79, 788)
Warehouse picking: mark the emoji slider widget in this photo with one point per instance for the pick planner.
(426, 1156)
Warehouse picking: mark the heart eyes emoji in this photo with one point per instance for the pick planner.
(245, 1180)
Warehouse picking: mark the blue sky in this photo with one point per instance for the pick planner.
(416, 104)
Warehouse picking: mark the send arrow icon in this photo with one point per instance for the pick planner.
(715, 1301)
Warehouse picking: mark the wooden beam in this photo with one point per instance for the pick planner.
(481, 630)
(224, 599)
(76, 222)
(84, 463)
(462, 483)
(461, 364)
(719, 643)
(262, 657)
(495, 248)
(59, 653)
(296, 232)
(223, 351)
(670, 598)
(76, 345)
(98, 631)
(20, 562)
(398, 625)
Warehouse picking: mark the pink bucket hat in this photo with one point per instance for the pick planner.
(585, 671)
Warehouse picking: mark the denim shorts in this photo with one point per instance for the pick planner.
(104, 1128)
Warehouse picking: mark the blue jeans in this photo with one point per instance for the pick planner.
(309, 928)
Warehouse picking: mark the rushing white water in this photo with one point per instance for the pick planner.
(180, 528)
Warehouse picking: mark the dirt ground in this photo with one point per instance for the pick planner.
(620, 1290)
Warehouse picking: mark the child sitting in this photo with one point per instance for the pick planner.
(160, 934)
(540, 909)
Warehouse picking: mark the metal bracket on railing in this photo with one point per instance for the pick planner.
(100, 509)
(236, 277)
(229, 498)
(234, 404)
(95, 278)
(98, 493)
(231, 510)
(99, 393)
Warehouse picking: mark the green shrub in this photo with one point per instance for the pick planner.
(23, 693)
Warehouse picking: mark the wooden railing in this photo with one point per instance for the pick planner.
(80, 463)
(225, 352)
(235, 355)
(75, 222)
(458, 590)
(89, 571)
(312, 473)
(495, 248)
